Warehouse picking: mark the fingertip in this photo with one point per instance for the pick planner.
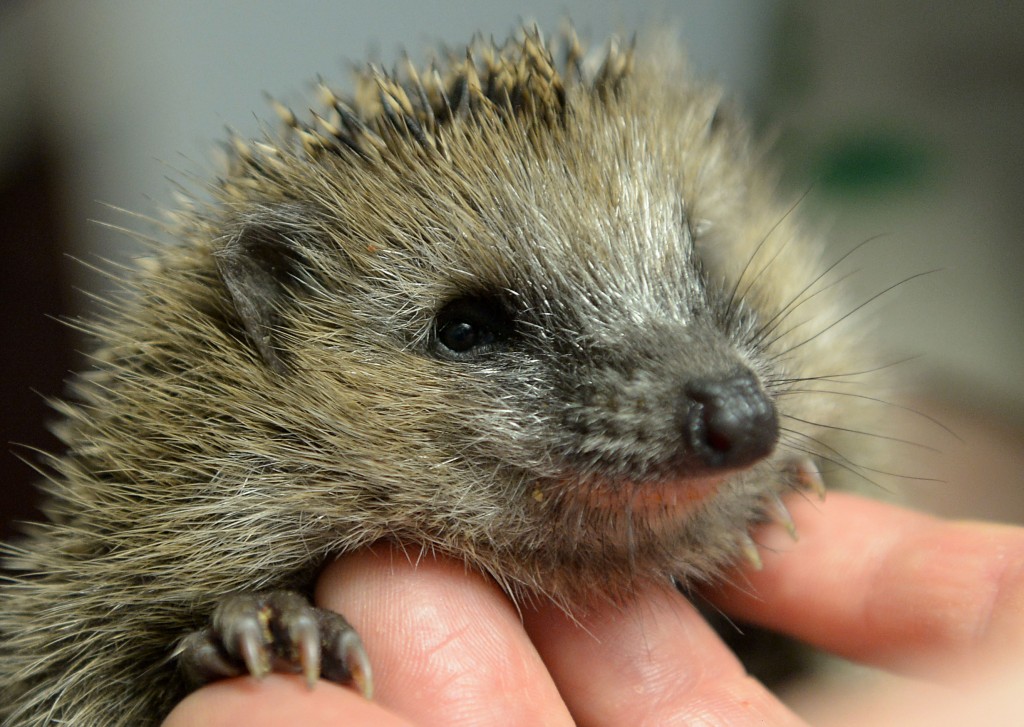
(884, 585)
(278, 701)
(446, 645)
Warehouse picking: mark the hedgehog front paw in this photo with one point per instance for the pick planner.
(257, 633)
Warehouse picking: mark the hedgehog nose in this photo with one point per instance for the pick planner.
(729, 422)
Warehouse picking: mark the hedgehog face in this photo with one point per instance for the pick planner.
(630, 389)
(624, 408)
(561, 339)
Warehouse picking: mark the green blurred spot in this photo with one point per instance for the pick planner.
(871, 162)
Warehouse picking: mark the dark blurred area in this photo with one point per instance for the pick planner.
(31, 296)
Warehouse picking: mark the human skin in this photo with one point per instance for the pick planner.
(866, 580)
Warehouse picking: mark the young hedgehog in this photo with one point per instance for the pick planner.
(547, 317)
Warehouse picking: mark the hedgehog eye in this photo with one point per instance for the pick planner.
(472, 325)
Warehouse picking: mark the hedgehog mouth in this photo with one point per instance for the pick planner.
(673, 498)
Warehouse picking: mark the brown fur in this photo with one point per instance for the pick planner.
(216, 448)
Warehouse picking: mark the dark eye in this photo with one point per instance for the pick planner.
(472, 325)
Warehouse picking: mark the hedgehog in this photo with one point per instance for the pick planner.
(539, 308)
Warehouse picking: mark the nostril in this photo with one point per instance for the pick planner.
(717, 436)
(729, 421)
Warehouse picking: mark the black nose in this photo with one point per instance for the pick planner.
(729, 422)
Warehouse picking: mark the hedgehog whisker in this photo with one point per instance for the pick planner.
(860, 432)
(856, 309)
(875, 399)
(797, 300)
(734, 297)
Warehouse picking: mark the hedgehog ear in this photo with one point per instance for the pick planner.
(255, 265)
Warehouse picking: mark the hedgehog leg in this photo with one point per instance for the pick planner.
(257, 633)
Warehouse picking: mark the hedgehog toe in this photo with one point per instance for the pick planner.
(256, 633)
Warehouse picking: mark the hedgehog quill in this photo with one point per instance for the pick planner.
(539, 309)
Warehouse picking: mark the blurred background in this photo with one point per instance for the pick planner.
(902, 122)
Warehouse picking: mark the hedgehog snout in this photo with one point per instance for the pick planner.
(729, 421)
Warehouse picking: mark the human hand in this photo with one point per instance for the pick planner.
(866, 580)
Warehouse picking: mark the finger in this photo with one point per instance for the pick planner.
(653, 661)
(990, 697)
(278, 701)
(446, 645)
(882, 585)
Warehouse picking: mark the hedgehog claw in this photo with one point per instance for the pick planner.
(358, 663)
(309, 657)
(780, 514)
(254, 653)
(275, 631)
(807, 477)
(748, 549)
(344, 658)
